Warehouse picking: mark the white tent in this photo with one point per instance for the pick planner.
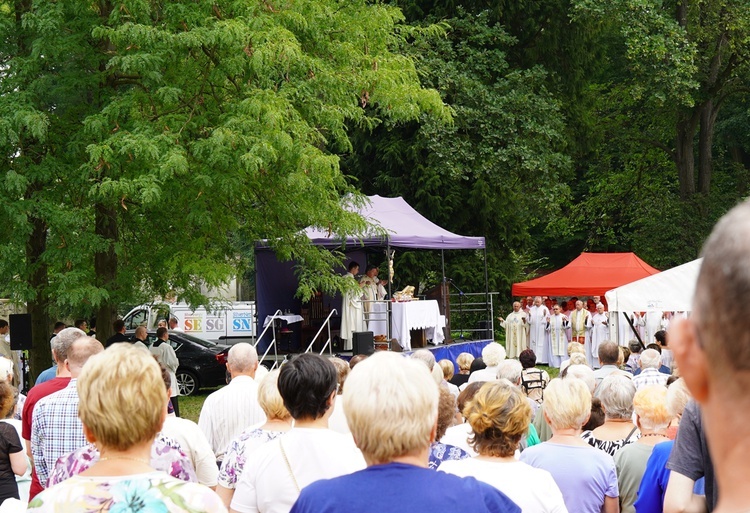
(671, 290)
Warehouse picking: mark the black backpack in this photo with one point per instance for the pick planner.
(535, 383)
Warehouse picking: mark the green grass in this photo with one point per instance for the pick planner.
(190, 406)
(552, 371)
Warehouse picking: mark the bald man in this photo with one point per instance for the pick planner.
(231, 409)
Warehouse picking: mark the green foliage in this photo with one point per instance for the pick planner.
(497, 169)
(152, 140)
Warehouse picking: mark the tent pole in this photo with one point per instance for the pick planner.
(487, 295)
(635, 331)
(388, 261)
(390, 293)
(444, 293)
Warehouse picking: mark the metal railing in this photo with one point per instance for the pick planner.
(470, 309)
(271, 324)
(328, 344)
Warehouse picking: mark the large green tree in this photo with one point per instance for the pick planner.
(145, 142)
(686, 59)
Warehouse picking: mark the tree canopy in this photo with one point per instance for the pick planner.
(146, 142)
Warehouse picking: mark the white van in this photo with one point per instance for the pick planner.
(228, 322)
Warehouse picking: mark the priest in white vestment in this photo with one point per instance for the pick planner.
(538, 315)
(599, 333)
(557, 347)
(579, 323)
(515, 331)
(651, 323)
(624, 332)
(352, 315)
(376, 314)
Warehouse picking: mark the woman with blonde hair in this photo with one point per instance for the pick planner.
(122, 407)
(463, 361)
(652, 417)
(586, 476)
(278, 422)
(499, 415)
(653, 487)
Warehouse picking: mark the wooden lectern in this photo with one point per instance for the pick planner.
(441, 293)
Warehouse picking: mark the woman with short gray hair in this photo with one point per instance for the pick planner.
(616, 393)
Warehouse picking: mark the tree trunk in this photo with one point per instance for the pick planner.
(684, 156)
(741, 160)
(705, 146)
(40, 356)
(105, 267)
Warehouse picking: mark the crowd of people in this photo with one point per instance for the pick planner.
(635, 432)
(547, 325)
(376, 433)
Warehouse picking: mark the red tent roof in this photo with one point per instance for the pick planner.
(591, 274)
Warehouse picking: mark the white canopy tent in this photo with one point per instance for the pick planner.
(671, 290)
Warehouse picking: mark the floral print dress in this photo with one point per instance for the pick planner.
(240, 448)
(153, 492)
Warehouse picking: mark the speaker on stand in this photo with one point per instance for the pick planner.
(20, 340)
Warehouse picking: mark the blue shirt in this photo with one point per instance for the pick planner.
(46, 375)
(584, 475)
(401, 487)
(655, 479)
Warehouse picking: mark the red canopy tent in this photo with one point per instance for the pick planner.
(591, 274)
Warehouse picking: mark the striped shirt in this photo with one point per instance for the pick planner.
(228, 411)
(650, 376)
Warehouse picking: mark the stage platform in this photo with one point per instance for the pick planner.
(451, 351)
(441, 352)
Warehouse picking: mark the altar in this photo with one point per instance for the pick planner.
(413, 315)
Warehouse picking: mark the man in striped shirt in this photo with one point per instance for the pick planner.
(229, 410)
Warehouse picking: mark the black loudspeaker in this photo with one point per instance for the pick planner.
(363, 343)
(20, 331)
(485, 333)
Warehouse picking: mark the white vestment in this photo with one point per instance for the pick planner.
(352, 316)
(579, 324)
(372, 289)
(624, 332)
(599, 333)
(558, 339)
(537, 332)
(375, 314)
(515, 333)
(651, 323)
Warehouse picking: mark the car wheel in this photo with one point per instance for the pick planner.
(187, 382)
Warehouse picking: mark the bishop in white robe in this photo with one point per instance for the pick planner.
(538, 315)
(557, 347)
(599, 333)
(515, 325)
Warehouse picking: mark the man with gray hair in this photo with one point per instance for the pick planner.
(231, 409)
(60, 344)
(425, 356)
(609, 353)
(55, 428)
(650, 362)
(510, 370)
(712, 351)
